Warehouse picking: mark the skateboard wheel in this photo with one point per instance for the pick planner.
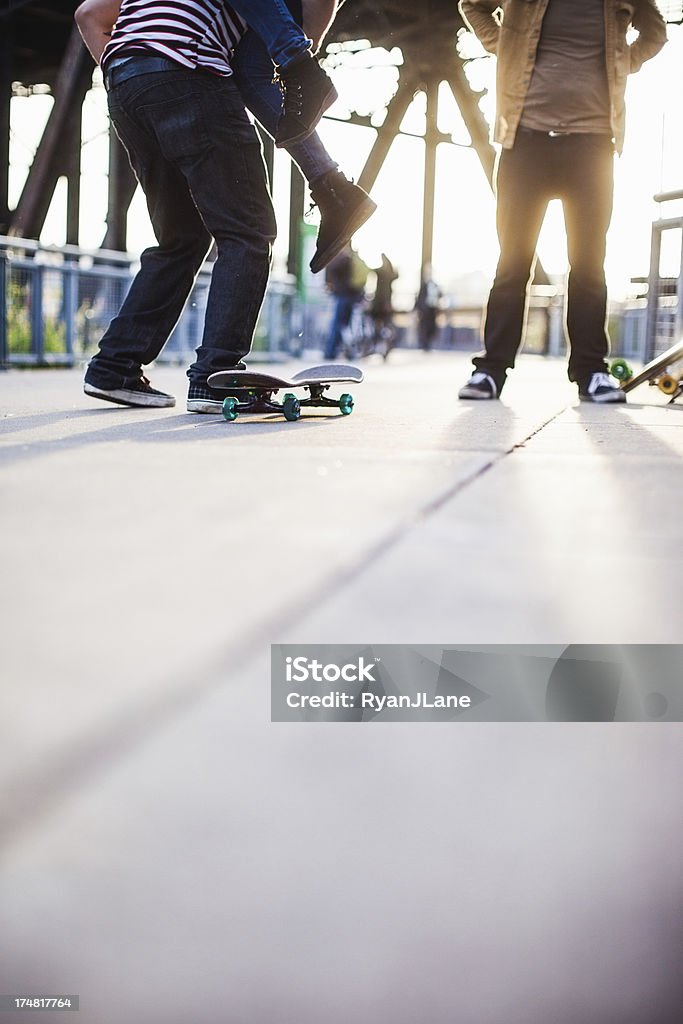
(291, 408)
(230, 407)
(667, 383)
(346, 405)
(621, 370)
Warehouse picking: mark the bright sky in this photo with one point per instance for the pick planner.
(465, 248)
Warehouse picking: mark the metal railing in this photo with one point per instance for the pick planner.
(664, 318)
(56, 302)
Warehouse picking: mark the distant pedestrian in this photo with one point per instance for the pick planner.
(382, 306)
(427, 306)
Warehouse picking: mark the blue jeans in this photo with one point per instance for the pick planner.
(253, 70)
(198, 159)
(272, 20)
(341, 318)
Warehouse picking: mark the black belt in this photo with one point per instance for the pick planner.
(539, 131)
(123, 68)
(556, 134)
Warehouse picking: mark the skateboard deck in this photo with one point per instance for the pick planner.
(253, 392)
(669, 383)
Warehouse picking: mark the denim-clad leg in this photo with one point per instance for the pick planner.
(199, 162)
(586, 194)
(341, 318)
(253, 73)
(272, 20)
(523, 189)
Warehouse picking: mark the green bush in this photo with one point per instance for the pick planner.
(19, 324)
(54, 336)
(18, 320)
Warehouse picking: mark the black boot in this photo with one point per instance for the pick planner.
(308, 92)
(344, 207)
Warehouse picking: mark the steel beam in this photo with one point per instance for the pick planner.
(6, 74)
(73, 81)
(475, 122)
(432, 137)
(386, 134)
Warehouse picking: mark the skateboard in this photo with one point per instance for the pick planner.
(669, 382)
(253, 392)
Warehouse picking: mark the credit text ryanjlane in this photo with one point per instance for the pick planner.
(374, 702)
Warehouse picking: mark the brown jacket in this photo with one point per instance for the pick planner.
(511, 29)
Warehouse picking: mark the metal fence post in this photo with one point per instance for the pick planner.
(70, 299)
(4, 355)
(652, 293)
(678, 320)
(37, 340)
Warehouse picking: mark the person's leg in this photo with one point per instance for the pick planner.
(306, 89)
(167, 271)
(430, 328)
(421, 325)
(523, 191)
(343, 205)
(253, 73)
(587, 199)
(273, 21)
(228, 185)
(343, 307)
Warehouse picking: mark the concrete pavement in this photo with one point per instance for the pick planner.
(173, 856)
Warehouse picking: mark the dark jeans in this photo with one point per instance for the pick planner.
(198, 159)
(578, 169)
(426, 327)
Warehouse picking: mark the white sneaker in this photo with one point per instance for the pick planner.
(601, 388)
(480, 385)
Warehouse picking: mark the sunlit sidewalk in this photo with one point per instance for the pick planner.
(140, 545)
(161, 835)
(523, 520)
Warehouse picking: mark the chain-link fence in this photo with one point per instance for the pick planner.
(55, 304)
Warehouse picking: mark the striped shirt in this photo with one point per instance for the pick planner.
(194, 33)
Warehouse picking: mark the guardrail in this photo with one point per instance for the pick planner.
(664, 318)
(56, 302)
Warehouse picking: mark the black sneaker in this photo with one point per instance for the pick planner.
(601, 388)
(202, 398)
(480, 385)
(308, 92)
(344, 208)
(140, 393)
